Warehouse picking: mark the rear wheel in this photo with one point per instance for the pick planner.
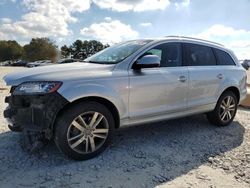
(225, 109)
(84, 130)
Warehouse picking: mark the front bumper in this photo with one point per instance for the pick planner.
(34, 112)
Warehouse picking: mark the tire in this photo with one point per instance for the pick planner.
(78, 133)
(220, 115)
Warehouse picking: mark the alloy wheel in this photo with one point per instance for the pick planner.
(227, 108)
(87, 132)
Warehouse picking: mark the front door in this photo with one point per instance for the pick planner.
(161, 90)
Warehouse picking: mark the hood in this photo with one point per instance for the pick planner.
(61, 72)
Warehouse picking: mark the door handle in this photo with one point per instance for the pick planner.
(182, 78)
(220, 76)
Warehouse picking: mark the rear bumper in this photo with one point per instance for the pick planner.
(34, 112)
(244, 94)
(246, 98)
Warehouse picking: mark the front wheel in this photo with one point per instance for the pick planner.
(225, 110)
(84, 131)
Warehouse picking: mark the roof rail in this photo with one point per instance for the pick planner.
(183, 37)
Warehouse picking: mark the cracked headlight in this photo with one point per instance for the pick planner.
(37, 88)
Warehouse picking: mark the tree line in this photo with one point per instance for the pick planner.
(44, 48)
(82, 49)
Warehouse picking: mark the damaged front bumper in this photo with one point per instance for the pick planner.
(34, 112)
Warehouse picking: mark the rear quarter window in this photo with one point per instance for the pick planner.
(199, 55)
(223, 58)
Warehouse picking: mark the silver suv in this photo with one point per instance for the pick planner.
(79, 105)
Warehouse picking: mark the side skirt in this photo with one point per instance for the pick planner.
(167, 116)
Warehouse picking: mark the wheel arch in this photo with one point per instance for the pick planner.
(113, 109)
(233, 89)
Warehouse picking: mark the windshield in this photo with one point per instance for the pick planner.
(117, 53)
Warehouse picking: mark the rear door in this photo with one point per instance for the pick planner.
(205, 76)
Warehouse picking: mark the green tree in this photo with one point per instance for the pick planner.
(83, 49)
(40, 49)
(10, 50)
(76, 48)
(65, 51)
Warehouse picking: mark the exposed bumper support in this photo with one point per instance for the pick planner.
(33, 112)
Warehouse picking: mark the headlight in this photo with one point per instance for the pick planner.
(37, 88)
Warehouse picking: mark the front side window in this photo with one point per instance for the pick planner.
(117, 53)
(199, 55)
(169, 54)
(155, 51)
(223, 58)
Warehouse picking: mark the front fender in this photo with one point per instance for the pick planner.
(74, 92)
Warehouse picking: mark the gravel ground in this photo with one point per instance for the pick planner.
(187, 152)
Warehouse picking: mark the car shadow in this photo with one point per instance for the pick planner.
(139, 156)
(245, 109)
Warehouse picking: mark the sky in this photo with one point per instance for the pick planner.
(112, 21)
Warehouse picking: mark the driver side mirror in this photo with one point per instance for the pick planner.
(147, 61)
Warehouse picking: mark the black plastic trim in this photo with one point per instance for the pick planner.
(34, 112)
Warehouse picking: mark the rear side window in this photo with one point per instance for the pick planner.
(223, 58)
(199, 55)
